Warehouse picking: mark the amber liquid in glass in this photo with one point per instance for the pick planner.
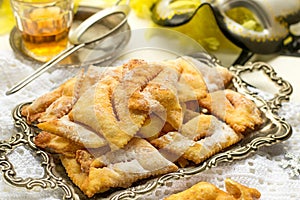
(45, 32)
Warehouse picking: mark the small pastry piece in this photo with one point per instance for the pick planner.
(77, 133)
(133, 81)
(84, 158)
(241, 192)
(208, 191)
(94, 109)
(221, 137)
(121, 168)
(164, 89)
(161, 91)
(58, 108)
(95, 74)
(152, 127)
(33, 111)
(199, 127)
(56, 144)
(55, 104)
(197, 78)
(192, 85)
(201, 191)
(234, 108)
(173, 145)
(216, 78)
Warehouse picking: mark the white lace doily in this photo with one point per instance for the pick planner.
(271, 169)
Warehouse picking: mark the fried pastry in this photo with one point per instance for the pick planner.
(216, 78)
(95, 106)
(55, 104)
(56, 144)
(205, 191)
(133, 81)
(199, 127)
(161, 94)
(218, 137)
(234, 108)
(192, 85)
(75, 132)
(121, 168)
(240, 191)
(121, 124)
(197, 78)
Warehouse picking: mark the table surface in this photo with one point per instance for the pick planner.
(258, 166)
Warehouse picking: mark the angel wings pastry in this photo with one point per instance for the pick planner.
(205, 190)
(117, 125)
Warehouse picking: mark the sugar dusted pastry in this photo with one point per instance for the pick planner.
(234, 108)
(115, 126)
(133, 81)
(218, 136)
(121, 168)
(57, 144)
(215, 78)
(208, 191)
(75, 132)
(161, 91)
(55, 104)
(95, 106)
(199, 127)
(192, 85)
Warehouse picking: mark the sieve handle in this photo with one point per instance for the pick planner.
(44, 68)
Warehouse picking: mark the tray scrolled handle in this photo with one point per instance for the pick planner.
(283, 93)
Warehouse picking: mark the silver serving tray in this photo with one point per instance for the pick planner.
(274, 130)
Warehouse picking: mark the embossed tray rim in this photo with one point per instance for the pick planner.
(51, 179)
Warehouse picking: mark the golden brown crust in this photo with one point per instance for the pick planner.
(77, 133)
(191, 84)
(55, 104)
(208, 191)
(201, 191)
(56, 144)
(218, 137)
(95, 106)
(160, 97)
(240, 191)
(198, 127)
(234, 108)
(94, 120)
(138, 160)
(133, 81)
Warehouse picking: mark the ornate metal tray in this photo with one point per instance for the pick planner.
(274, 130)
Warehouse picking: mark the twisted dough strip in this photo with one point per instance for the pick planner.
(121, 168)
(208, 191)
(134, 80)
(56, 103)
(77, 133)
(218, 137)
(160, 96)
(233, 108)
(95, 106)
